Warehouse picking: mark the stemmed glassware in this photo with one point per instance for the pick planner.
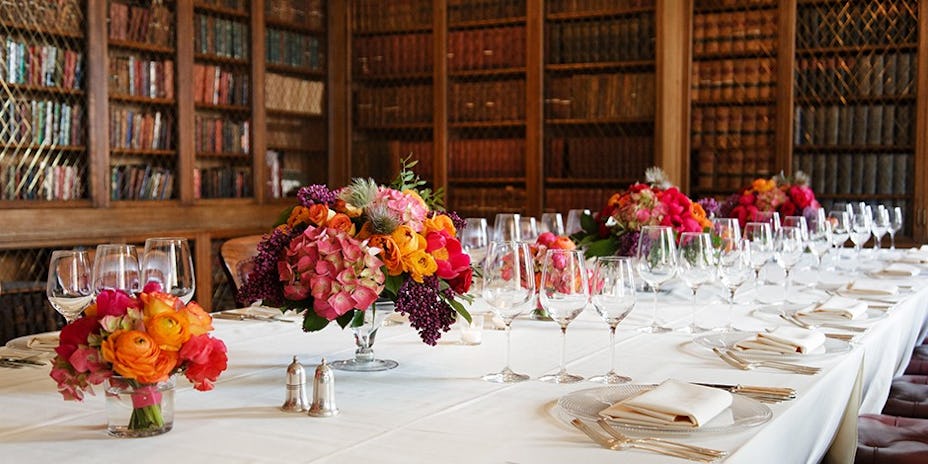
(551, 222)
(880, 226)
(656, 264)
(895, 225)
(528, 229)
(725, 229)
(860, 229)
(760, 237)
(507, 226)
(840, 230)
(612, 292)
(69, 287)
(820, 237)
(696, 263)
(474, 239)
(564, 292)
(798, 222)
(770, 217)
(168, 262)
(788, 247)
(509, 289)
(734, 268)
(116, 267)
(574, 224)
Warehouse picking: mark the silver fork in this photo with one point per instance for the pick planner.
(751, 364)
(660, 441)
(792, 318)
(615, 444)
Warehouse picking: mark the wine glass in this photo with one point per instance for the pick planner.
(820, 237)
(69, 286)
(770, 217)
(551, 222)
(528, 228)
(840, 230)
(116, 267)
(880, 226)
(506, 227)
(474, 239)
(734, 268)
(574, 220)
(860, 230)
(696, 265)
(509, 289)
(895, 225)
(656, 264)
(725, 229)
(788, 246)
(167, 261)
(564, 292)
(612, 292)
(800, 223)
(760, 237)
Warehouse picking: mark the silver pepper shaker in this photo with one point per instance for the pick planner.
(323, 392)
(296, 388)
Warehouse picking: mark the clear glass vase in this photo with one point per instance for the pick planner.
(135, 410)
(365, 325)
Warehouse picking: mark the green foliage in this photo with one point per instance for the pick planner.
(313, 322)
(391, 286)
(284, 215)
(409, 180)
(346, 318)
(603, 247)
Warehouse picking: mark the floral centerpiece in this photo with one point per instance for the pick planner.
(614, 231)
(135, 342)
(338, 251)
(788, 196)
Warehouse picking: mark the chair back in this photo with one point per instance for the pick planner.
(238, 257)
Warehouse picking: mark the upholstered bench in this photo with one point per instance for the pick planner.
(908, 397)
(891, 440)
(919, 363)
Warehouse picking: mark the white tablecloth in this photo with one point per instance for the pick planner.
(434, 408)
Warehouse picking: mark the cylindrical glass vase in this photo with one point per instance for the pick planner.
(135, 410)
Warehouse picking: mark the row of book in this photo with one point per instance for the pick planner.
(486, 101)
(26, 180)
(857, 173)
(616, 157)
(874, 124)
(731, 169)
(862, 23)
(566, 199)
(570, 6)
(734, 79)
(392, 54)
(131, 75)
(295, 95)
(287, 133)
(140, 129)
(218, 85)
(625, 95)
(498, 47)
(151, 24)
(141, 182)
(310, 13)
(477, 10)
(65, 16)
(221, 37)
(395, 15)
(42, 122)
(44, 65)
(393, 105)
(482, 158)
(235, 5)
(608, 39)
(289, 171)
(216, 134)
(872, 75)
(752, 31)
(744, 126)
(222, 182)
(486, 201)
(294, 49)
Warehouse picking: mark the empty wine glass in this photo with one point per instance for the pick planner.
(528, 229)
(895, 225)
(770, 217)
(564, 292)
(800, 223)
(734, 268)
(880, 226)
(69, 287)
(612, 292)
(788, 247)
(509, 289)
(506, 227)
(696, 265)
(725, 229)
(760, 237)
(860, 230)
(820, 239)
(574, 220)
(840, 230)
(474, 239)
(551, 222)
(116, 267)
(656, 263)
(167, 261)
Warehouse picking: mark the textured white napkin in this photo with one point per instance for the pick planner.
(871, 287)
(900, 270)
(671, 403)
(43, 342)
(784, 340)
(848, 308)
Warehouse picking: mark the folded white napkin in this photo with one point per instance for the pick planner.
(673, 402)
(839, 306)
(913, 256)
(43, 342)
(871, 287)
(900, 270)
(783, 340)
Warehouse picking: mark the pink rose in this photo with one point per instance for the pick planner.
(206, 359)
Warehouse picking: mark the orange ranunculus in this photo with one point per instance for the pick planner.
(168, 330)
(156, 303)
(367, 230)
(699, 214)
(319, 214)
(351, 210)
(437, 223)
(341, 222)
(407, 240)
(298, 215)
(135, 355)
(390, 253)
(419, 264)
(199, 321)
(563, 242)
(763, 185)
(614, 200)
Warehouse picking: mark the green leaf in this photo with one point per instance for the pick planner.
(345, 319)
(589, 224)
(460, 309)
(605, 247)
(392, 286)
(313, 322)
(284, 215)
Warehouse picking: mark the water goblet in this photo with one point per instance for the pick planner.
(612, 292)
(788, 247)
(696, 266)
(840, 230)
(474, 239)
(800, 223)
(168, 262)
(69, 287)
(734, 268)
(506, 227)
(116, 267)
(656, 264)
(770, 217)
(564, 292)
(895, 225)
(760, 237)
(574, 220)
(509, 289)
(880, 226)
(551, 222)
(528, 228)
(820, 238)
(860, 230)
(725, 229)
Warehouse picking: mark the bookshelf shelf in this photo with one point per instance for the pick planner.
(49, 90)
(42, 204)
(599, 13)
(600, 121)
(223, 108)
(601, 66)
(388, 79)
(854, 99)
(220, 10)
(141, 152)
(858, 49)
(231, 155)
(219, 59)
(487, 73)
(41, 31)
(562, 181)
(733, 7)
(486, 124)
(42, 148)
(486, 181)
(391, 31)
(487, 23)
(140, 47)
(852, 148)
(734, 102)
(299, 70)
(409, 126)
(295, 27)
(142, 100)
(294, 114)
(733, 55)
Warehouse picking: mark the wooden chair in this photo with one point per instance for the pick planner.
(238, 257)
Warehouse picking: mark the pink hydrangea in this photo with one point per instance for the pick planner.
(409, 208)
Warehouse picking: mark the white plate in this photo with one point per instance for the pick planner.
(586, 404)
(36, 342)
(867, 317)
(727, 340)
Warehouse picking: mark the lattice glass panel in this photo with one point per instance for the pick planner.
(855, 100)
(43, 133)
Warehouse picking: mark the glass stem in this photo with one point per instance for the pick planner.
(508, 344)
(786, 287)
(731, 308)
(693, 309)
(563, 349)
(656, 289)
(892, 242)
(612, 344)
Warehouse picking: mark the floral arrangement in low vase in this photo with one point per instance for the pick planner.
(337, 252)
(136, 345)
(614, 230)
(789, 196)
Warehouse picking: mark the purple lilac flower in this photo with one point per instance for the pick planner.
(728, 205)
(428, 313)
(263, 282)
(316, 194)
(628, 243)
(710, 206)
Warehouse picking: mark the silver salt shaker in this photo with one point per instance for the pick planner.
(323, 392)
(296, 388)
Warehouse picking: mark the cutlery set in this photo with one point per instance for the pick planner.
(246, 316)
(742, 363)
(16, 363)
(616, 440)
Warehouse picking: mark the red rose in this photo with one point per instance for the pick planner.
(75, 334)
(788, 209)
(206, 358)
(114, 303)
(461, 284)
(801, 195)
(746, 199)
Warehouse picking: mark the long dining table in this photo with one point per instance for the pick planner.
(434, 408)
